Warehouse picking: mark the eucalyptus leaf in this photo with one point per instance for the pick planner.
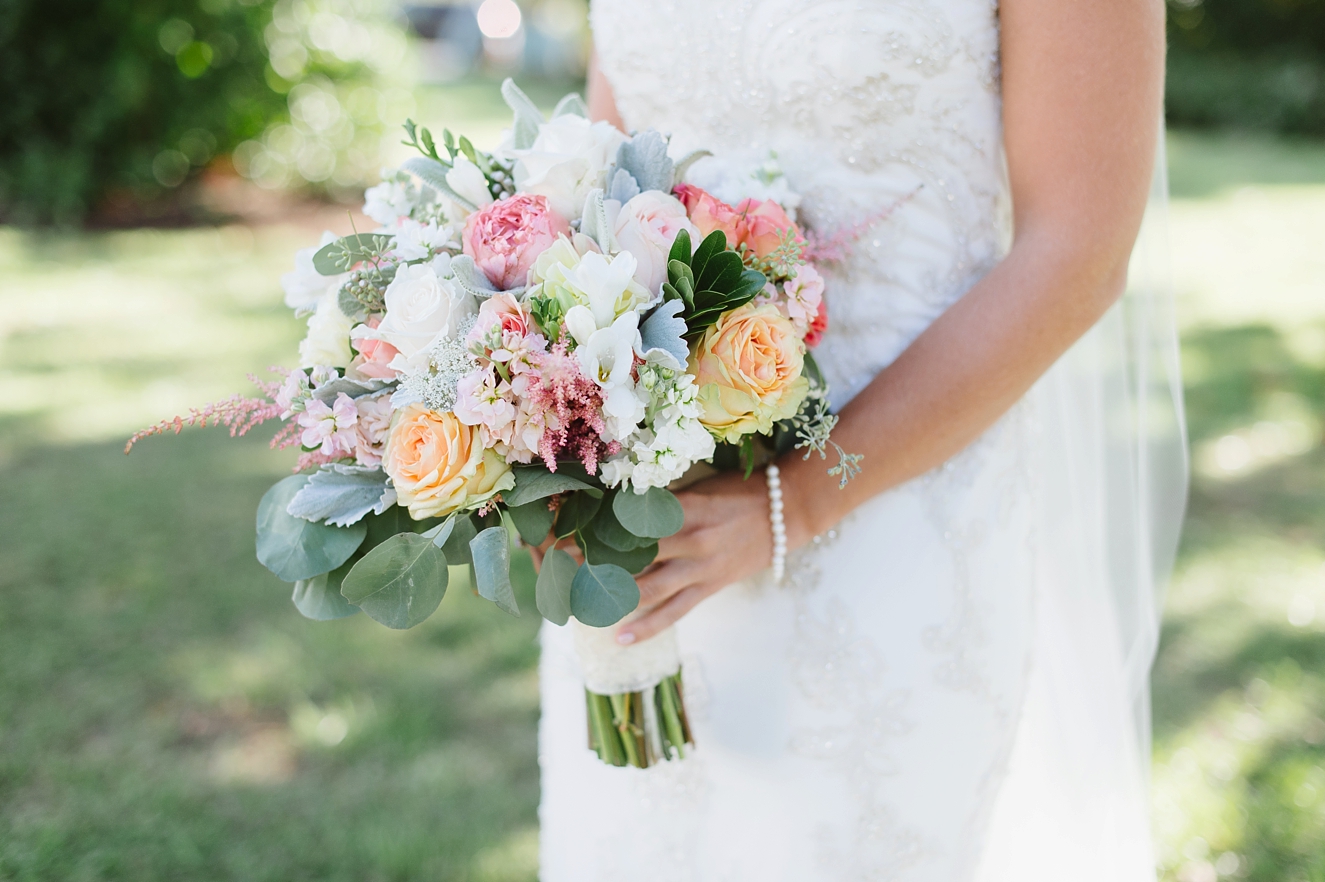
(576, 512)
(645, 157)
(533, 520)
(608, 530)
(571, 104)
(491, 551)
(342, 495)
(655, 513)
(536, 482)
(524, 130)
(602, 594)
(338, 257)
(294, 548)
(321, 601)
(440, 533)
(632, 561)
(433, 173)
(552, 590)
(663, 333)
(400, 582)
(456, 545)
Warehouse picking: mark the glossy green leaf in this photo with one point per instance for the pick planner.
(491, 551)
(294, 548)
(400, 582)
(552, 591)
(656, 513)
(533, 520)
(602, 594)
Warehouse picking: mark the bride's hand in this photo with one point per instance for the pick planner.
(727, 537)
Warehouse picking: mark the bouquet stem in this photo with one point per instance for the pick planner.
(639, 728)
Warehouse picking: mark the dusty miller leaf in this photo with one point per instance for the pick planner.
(341, 495)
(645, 157)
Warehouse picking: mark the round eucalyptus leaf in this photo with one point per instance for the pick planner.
(602, 594)
(294, 548)
(533, 520)
(319, 600)
(491, 551)
(400, 582)
(632, 561)
(608, 530)
(552, 591)
(576, 513)
(656, 513)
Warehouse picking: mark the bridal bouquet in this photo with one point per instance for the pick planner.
(535, 342)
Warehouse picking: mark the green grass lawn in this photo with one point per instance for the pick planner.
(166, 714)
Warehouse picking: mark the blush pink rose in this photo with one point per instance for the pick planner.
(507, 236)
(764, 224)
(374, 359)
(647, 226)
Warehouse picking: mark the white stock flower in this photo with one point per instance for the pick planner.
(421, 309)
(305, 286)
(390, 200)
(646, 226)
(566, 160)
(415, 241)
(328, 341)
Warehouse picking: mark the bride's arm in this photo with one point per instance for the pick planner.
(1082, 91)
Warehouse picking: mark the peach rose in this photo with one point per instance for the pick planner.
(749, 369)
(438, 465)
(765, 224)
(506, 237)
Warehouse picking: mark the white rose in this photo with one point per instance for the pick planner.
(422, 309)
(305, 286)
(646, 226)
(328, 341)
(566, 160)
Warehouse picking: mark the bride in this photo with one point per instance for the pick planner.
(950, 682)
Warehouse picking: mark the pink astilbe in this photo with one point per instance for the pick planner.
(573, 409)
(237, 413)
(836, 246)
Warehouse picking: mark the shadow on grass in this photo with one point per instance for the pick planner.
(167, 714)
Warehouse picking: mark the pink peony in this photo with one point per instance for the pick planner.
(507, 236)
(330, 428)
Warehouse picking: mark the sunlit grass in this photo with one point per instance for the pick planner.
(166, 714)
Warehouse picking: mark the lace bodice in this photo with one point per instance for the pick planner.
(869, 105)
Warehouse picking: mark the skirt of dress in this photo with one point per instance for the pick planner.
(852, 723)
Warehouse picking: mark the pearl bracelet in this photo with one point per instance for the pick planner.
(779, 565)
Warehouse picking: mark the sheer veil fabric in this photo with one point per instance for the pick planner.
(1113, 493)
(953, 684)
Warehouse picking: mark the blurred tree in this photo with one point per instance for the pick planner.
(122, 101)
(1256, 64)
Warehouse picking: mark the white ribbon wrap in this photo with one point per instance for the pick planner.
(611, 669)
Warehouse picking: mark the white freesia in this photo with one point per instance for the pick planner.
(607, 356)
(605, 286)
(390, 200)
(565, 161)
(421, 309)
(305, 286)
(415, 241)
(327, 343)
(470, 184)
(646, 226)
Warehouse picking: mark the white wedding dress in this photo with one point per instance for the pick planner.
(911, 703)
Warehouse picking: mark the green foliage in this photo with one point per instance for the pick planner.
(491, 550)
(710, 282)
(533, 520)
(655, 513)
(602, 594)
(1252, 64)
(536, 482)
(337, 257)
(554, 586)
(319, 598)
(293, 548)
(400, 582)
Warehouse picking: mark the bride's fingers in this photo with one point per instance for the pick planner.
(656, 585)
(663, 617)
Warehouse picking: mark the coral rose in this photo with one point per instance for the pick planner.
(764, 224)
(506, 237)
(749, 369)
(438, 465)
(709, 213)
